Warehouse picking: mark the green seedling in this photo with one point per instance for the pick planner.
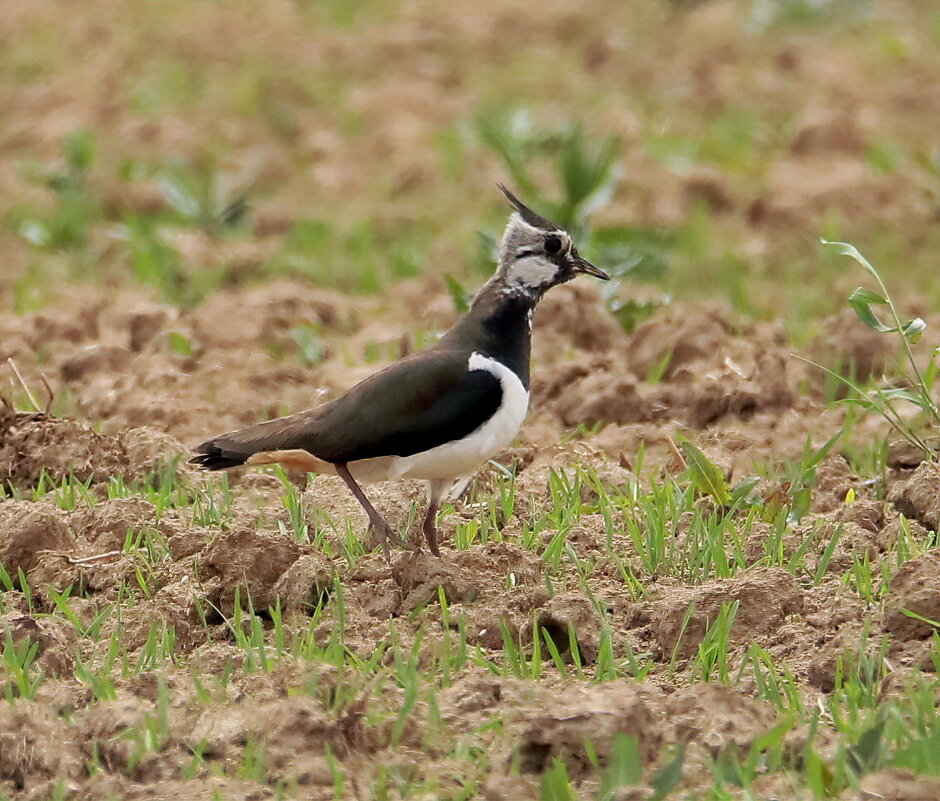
(21, 677)
(555, 784)
(199, 199)
(919, 383)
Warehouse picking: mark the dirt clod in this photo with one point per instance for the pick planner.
(686, 364)
(54, 640)
(35, 444)
(601, 398)
(32, 750)
(919, 497)
(766, 596)
(898, 784)
(248, 564)
(718, 717)
(105, 527)
(547, 726)
(419, 574)
(93, 359)
(850, 349)
(572, 614)
(304, 583)
(914, 588)
(27, 529)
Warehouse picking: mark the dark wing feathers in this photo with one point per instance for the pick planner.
(411, 406)
(424, 410)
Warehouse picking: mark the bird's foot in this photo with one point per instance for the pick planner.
(390, 535)
(384, 535)
(376, 522)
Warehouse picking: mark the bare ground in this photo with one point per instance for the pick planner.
(732, 386)
(159, 683)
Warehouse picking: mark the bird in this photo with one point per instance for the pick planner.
(438, 414)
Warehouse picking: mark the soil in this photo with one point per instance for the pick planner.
(734, 389)
(123, 386)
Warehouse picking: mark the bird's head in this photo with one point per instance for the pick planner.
(535, 254)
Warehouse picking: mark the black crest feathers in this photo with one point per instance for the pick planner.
(533, 219)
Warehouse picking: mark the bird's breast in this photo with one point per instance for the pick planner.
(502, 427)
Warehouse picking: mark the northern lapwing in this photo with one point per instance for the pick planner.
(436, 415)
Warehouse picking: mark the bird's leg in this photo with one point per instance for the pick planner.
(459, 487)
(437, 487)
(383, 529)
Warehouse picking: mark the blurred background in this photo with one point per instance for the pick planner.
(697, 148)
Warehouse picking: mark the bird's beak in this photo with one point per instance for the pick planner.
(584, 266)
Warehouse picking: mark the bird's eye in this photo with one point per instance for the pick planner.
(552, 245)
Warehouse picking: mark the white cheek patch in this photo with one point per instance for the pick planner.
(532, 271)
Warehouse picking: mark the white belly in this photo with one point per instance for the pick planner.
(460, 457)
